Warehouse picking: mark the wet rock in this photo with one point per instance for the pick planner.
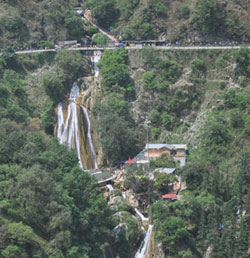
(131, 199)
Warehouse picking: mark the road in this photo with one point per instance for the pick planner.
(135, 47)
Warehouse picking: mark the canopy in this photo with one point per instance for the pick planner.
(169, 196)
(129, 161)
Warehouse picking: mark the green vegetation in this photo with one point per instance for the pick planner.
(208, 16)
(217, 179)
(58, 81)
(104, 10)
(114, 123)
(141, 19)
(47, 202)
(165, 161)
(21, 26)
(48, 205)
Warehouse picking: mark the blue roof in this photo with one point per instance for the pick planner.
(159, 146)
(165, 170)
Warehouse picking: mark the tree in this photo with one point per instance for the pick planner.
(103, 10)
(9, 57)
(193, 174)
(173, 235)
(115, 73)
(164, 161)
(69, 65)
(100, 39)
(164, 182)
(74, 24)
(208, 17)
(216, 134)
(243, 61)
(54, 87)
(117, 138)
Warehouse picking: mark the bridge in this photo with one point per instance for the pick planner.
(134, 47)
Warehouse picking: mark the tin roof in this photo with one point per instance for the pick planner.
(159, 146)
(169, 196)
(180, 146)
(165, 170)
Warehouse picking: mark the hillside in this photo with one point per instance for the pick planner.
(187, 22)
(113, 102)
(33, 24)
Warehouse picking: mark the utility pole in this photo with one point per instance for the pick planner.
(147, 122)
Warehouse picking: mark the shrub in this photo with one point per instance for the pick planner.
(103, 10)
(156, 132)
(4, 95)
(154, 116)
(198, 65)
(100, 39)
(74, 24)
(208, 16)
(92, 29)
(148, 81)
(117, 192)
(237, 119)
(166, 120)
(45, 44)
(53, 86)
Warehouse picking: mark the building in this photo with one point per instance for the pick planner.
(170, 197)
(178, 151)
(169, 171)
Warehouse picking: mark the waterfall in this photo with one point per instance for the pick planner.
(110, 187)
(141, 215)
(124, 195)
(143, 249)
(60, 122)
(90, 140)
(95, 59)
(68, 132)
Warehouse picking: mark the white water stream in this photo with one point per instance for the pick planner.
(111, 189)
(143, 218)
(68, 132)
(90, 140)
(124, 195)
(95, 60)
(143, 250)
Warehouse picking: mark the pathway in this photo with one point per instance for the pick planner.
(135, 47)
(88, 17)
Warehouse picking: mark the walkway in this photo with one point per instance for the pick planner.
(88, 17)
(135, 47)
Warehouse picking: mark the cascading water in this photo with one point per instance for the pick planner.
(111, 189)
(90, 140)
(124, 195)
(143, 250)
(143, 218)
(68, 132)
(95, 59)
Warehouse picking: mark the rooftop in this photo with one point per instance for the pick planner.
(165, 170)
(180, 146)
(159, 146)
(169, 196)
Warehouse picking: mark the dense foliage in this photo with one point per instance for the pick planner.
(212, 20)
(214, 210)
(49, 206)
(114, 123)
(31, 23)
